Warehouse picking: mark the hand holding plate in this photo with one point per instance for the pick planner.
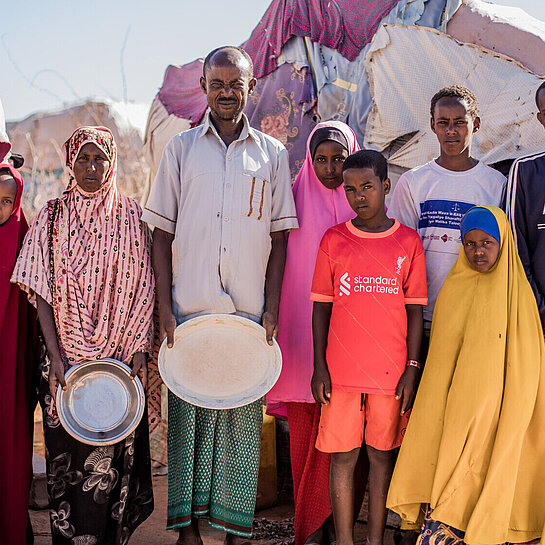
(199, 368)
(140, 367)
(56, 377)
(270, 323)
(167, 323)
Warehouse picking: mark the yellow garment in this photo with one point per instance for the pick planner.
(475, 445)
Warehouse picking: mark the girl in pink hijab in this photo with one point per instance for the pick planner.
(321, 203)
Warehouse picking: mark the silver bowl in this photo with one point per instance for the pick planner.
(101, 404)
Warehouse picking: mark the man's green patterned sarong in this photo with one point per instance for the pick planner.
(213, 462)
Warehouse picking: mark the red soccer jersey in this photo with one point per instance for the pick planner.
(369, 278)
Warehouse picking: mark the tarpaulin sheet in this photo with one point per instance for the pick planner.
(336, 77)
(343, 90)
(407, 65)
(505, 29)
(344, 25)
(161, 127)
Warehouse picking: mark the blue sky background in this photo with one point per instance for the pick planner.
(59, 51)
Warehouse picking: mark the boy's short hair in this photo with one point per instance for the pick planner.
(539, 89)
(5, 171)
(367, 158)
(459, 92)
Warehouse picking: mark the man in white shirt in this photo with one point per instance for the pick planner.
(221, 204)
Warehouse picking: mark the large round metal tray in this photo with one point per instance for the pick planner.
(220, 361)
(101, 404)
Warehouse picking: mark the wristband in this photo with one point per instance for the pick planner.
(413, 363)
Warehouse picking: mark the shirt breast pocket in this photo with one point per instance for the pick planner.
(256, 197)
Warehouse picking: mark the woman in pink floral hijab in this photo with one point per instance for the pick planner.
(85, 264)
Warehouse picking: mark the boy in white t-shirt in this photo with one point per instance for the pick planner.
(432, 198)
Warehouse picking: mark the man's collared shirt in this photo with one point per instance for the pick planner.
(221, 204)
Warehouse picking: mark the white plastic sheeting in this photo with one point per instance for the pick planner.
(407, 65)
(505, 29)
(341, 85)
(160, 128)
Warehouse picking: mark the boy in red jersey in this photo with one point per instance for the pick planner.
(368, 290)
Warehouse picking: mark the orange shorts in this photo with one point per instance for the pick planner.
(352, 416)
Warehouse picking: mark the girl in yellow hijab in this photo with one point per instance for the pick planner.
(473, 456)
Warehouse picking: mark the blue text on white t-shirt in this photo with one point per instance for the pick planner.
(440, 213)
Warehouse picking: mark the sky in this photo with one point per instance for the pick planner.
(58, 52)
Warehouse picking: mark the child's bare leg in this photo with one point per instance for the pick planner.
(362, 475)
(342, 484)
(381, 467)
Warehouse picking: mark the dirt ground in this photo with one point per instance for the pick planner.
(152, 531)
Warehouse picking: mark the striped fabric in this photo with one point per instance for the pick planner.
(103, 288)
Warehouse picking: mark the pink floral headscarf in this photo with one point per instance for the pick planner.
(107, 196)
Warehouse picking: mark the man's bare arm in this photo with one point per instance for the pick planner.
(161, 260)
(273, 284)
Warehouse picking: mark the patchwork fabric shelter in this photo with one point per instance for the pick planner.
(333, 65)
(323, 43)
(344, 25)
(317, 61)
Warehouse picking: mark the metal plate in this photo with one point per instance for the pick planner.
(101, 404)
(220, 361)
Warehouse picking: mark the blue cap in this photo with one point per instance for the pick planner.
(480, 218)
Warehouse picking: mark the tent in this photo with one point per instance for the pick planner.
(320, 61)
(40, 137)
(503, 29)
(374, 65)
